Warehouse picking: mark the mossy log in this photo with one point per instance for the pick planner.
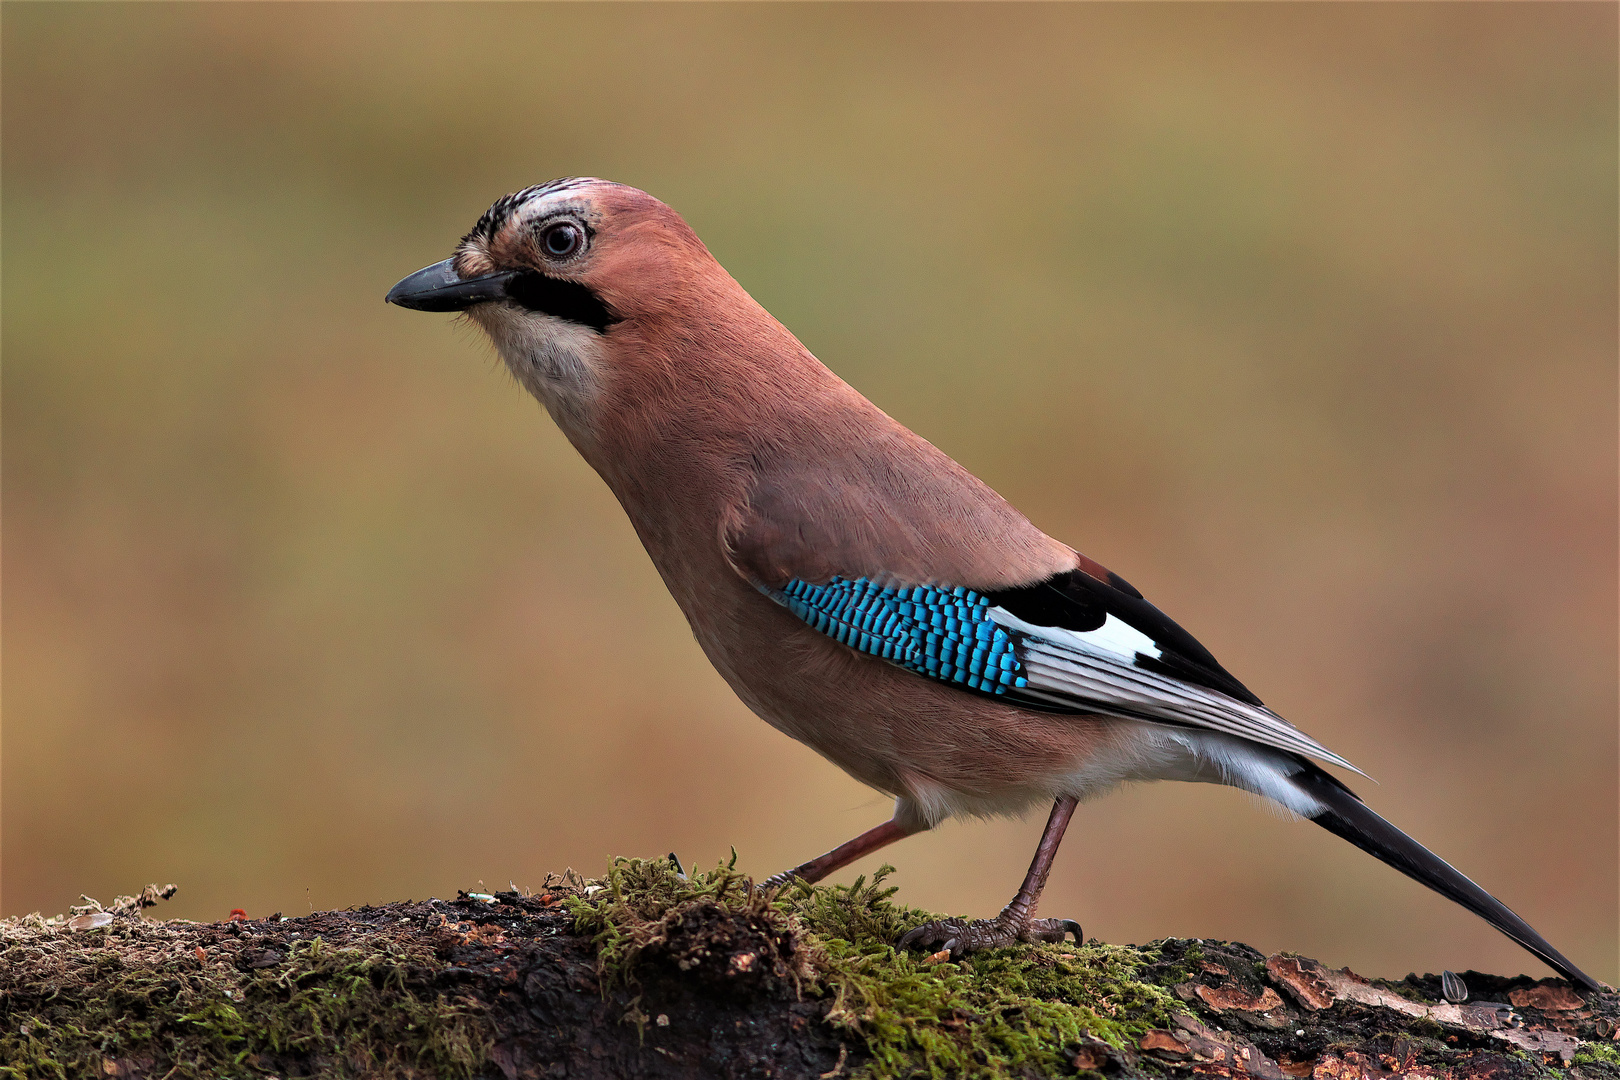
(649, 973)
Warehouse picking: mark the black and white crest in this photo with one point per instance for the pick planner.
(504, 207)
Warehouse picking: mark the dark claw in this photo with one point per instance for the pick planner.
(777, 881)
(956, 934)
(1054, 930)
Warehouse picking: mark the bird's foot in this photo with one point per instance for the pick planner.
(776, 881)
(961, 936)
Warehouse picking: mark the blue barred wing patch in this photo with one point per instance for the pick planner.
(951, 635)
(946, 634)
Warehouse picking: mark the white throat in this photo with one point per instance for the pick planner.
(560, 362)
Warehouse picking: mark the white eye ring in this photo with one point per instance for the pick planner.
(562, 240)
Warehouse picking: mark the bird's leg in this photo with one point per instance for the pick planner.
(842, 855)
(1015, 923)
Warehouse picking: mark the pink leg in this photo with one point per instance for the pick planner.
(842, 855)
(1029, 893)
(1016, 922)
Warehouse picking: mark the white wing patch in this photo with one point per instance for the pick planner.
(1096, 669)
(1114, 636)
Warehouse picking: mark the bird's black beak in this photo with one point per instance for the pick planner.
(440, 288)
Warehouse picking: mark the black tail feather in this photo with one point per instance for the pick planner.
(1348, 817)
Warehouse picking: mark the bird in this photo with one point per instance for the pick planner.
(859, 590)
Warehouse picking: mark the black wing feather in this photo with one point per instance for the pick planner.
(1077, 601)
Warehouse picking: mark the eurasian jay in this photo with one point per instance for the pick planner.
(862, 592)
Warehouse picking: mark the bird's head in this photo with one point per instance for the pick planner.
(585, 251)
(558, 273)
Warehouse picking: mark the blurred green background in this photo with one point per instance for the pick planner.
(1302, 318)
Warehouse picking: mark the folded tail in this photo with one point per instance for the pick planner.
(1347, 816)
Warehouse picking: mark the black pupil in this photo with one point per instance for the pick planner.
(562, 240)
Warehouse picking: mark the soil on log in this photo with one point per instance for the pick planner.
(650, 973)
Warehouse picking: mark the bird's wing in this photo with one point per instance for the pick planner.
(1076, 642)
(892, 548)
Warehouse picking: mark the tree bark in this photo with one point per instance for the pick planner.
(648, 973)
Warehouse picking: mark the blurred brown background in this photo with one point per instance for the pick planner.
(1302, 318)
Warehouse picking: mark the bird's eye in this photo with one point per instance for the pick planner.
(562, 239)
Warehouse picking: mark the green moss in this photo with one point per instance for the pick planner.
(1598, 1053)
(354, 1010)
(640, 901)
(1168, 972)
(1426, 1027)
(181, 1001)
(1001, 1013)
